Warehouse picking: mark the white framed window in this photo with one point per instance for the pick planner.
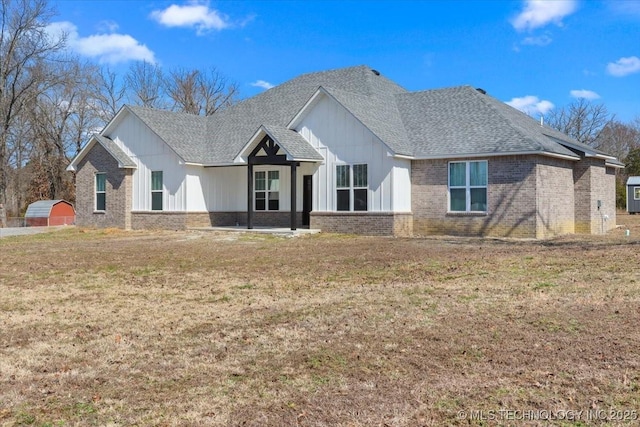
(352, 187)
(636, 193)
(156, 190)
(266, 190)
(468, 186)
(101, 192)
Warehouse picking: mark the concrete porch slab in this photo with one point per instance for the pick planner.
(278, 231)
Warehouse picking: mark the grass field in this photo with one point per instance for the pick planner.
(114, 328)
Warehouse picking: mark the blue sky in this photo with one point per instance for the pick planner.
(536, 55)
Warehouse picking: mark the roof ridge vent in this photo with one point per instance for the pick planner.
(482, 91)
(376, 72)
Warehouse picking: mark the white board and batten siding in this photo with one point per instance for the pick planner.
(227, 186)
(150, 154)
(341, 139)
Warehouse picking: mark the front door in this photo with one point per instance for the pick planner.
(307, 199)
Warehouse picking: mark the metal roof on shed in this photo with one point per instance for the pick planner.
(42, 208)
(633, 180)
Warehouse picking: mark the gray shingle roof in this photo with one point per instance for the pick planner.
(379, 115)
(184, 133)
(124, 161)
(462, 121)
(451, 122)
(293, 143)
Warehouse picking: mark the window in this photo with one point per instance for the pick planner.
(156, 190)
(636, 193)
(101, 192)
(352, 188)
(468, 186)
(267, 190)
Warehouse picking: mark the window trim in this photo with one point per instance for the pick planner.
(267, 191)
(467, 187)
(636, 193)
(351, 187)
(96, 192)
(161, 191)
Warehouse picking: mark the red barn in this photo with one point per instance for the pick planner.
(50, 212)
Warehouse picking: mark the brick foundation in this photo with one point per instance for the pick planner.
(260, 219)
(182, 220)
(366, 223)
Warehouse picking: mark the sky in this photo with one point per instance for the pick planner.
(537, 55)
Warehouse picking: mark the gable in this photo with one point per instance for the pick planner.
(328, 125)
(123, 160)
(379, 117)
(289, 142)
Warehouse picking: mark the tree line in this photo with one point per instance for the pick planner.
(51, 102)
(592, 124)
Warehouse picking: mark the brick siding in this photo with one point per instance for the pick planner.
(554, 197)
(594, 181)
(527, 196)
(366, 223)
(118, 191)
(182, 220)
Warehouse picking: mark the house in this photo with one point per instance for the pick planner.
(350, 151)
(49, 213)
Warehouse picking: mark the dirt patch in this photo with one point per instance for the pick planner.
(201, 328)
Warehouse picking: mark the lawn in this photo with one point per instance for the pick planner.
(193, 328)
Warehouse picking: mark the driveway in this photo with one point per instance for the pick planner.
(23, 231)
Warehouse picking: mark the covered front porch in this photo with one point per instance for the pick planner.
(277, 146)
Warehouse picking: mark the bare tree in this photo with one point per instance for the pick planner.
(182, 86)
(110, 95)
(617, 139)
(581, 120)
(62, 118)
(24, 44)
(217, 92)
(145, 84)
(200, 92)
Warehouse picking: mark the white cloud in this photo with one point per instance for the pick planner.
(537, 41)
(106, 48)
(194, 15)
(263, 84)
(624, 66)
(531, 105)
(538, 13)
(583, 93)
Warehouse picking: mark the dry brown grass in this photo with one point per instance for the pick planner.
(197, 328)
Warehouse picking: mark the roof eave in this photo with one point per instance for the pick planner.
(500, 154)
(241, 158)
(614, 165)
(95, 139)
